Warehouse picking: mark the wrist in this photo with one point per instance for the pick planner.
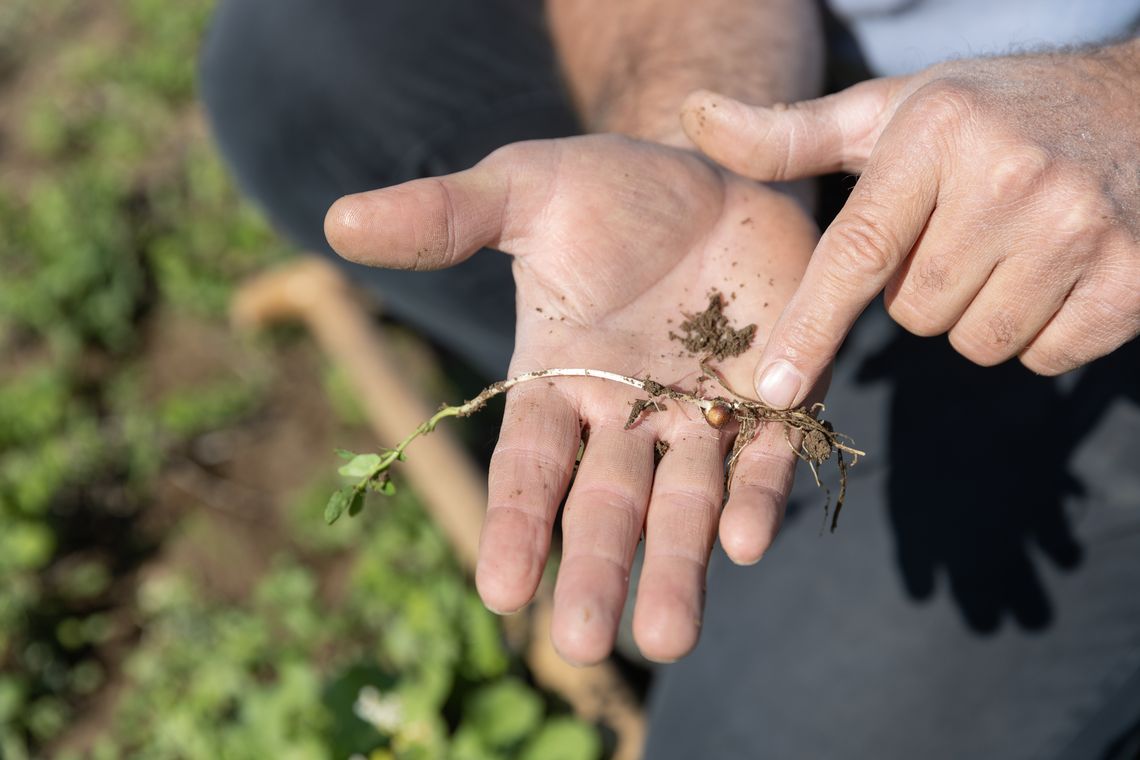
(635, 115)
(630, 65)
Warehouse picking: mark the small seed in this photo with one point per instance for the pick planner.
(718, 415)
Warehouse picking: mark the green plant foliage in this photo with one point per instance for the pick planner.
(32, 405)
(294, 676)
(119, 211)
(31, 475)
(72, 283)
(196, 265)
(563, 739)
(221, 682)
(120, 208)
(503, 713)
(342, 397)
(196, 410)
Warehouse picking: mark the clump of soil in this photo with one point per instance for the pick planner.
(709, 333)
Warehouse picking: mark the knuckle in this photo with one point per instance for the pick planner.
(863, 247)
(1019, 172)
(1119, 301)
(944, 104)
(933, 274)
(986, 342)
(1048, 361)
(773, 158)
(1074, 213)
(434, 235)
(917, 315)
(508, 154)
(919, 301)
(1091, 324)
(803, 339)
(1109, 314)
(766, 148)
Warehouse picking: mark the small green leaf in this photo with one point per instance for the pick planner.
(503, 712)
(356, 503)
(380, 484)
(360, 466)
(338, 502)
(345, 453)
(563, 739)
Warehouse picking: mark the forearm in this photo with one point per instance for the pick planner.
(630, 63)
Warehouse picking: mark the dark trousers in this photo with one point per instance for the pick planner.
(981, 598)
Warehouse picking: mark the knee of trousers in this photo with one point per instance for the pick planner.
(285, 96)
(310, 100)
(313, 99)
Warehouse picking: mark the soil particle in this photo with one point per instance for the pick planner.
(817, 445)
(710, 333)
(641, 406)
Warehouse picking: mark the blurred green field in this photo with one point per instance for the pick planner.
(168, 588)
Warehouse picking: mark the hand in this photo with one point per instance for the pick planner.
(999, 200)
(612, 238)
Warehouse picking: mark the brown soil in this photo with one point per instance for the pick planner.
(710, 334)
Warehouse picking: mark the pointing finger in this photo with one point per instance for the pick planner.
(856, 256)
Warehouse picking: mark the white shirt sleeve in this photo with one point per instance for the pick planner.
(902, 36)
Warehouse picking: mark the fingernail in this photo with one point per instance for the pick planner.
(779, 385)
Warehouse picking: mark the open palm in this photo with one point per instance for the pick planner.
(612, 240)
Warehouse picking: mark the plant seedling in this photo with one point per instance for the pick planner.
(707, 332)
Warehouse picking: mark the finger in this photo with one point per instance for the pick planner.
(1101, 314)
(986, 212)
(947, 267)
(785, 142)
(758, 496)
(437, 222)
(529, 473)
(856, 256)
(679, 532)
(601, 525)
(1019, 298)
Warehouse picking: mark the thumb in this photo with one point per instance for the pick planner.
(788, 142)
(424, 224)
